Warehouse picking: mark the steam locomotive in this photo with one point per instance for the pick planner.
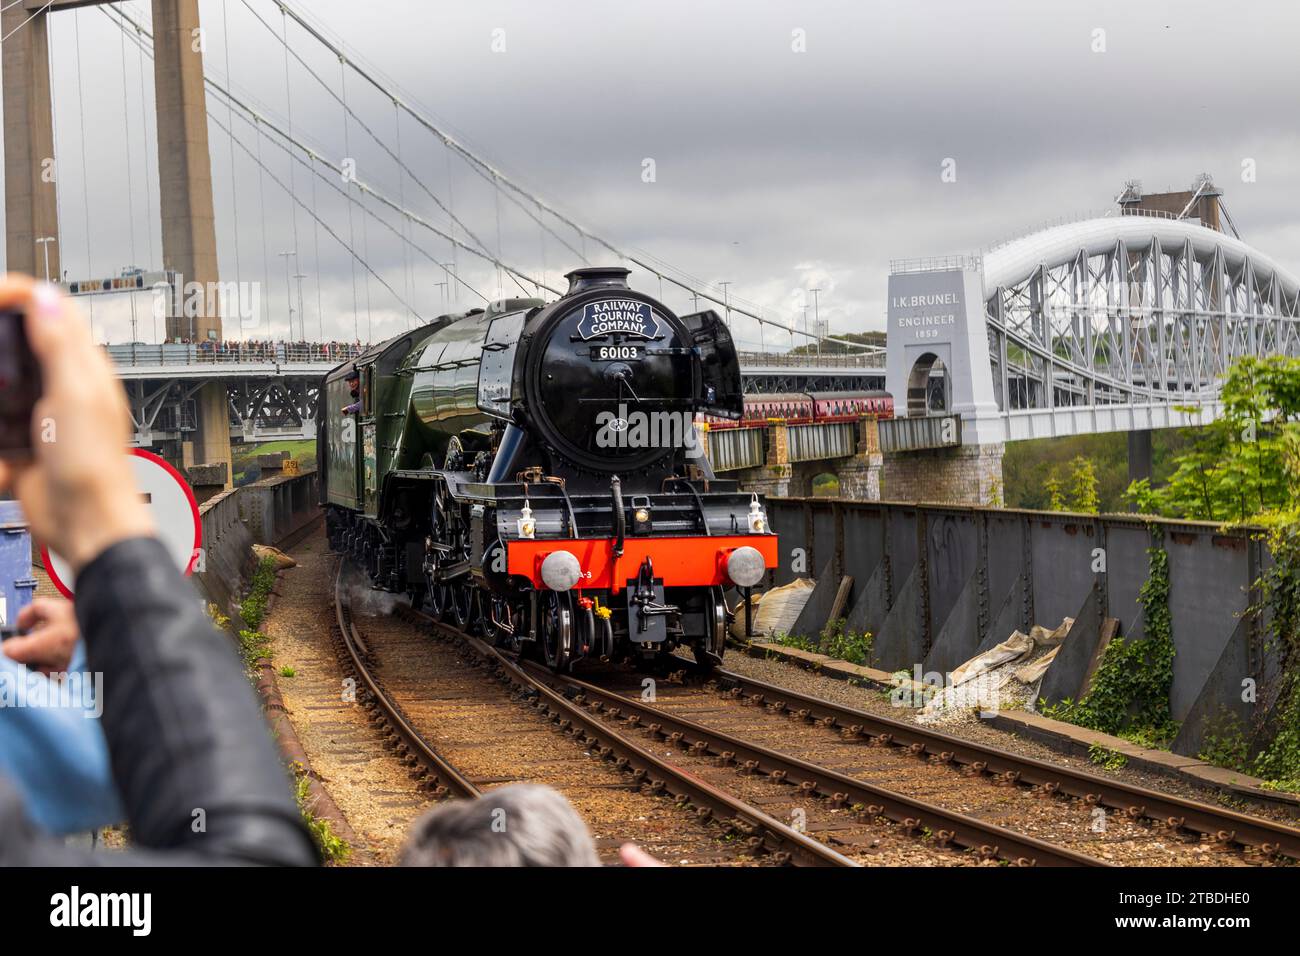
(533, 471)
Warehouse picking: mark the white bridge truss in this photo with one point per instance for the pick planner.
(1127, 322)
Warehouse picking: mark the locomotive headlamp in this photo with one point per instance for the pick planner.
(560, 571)
(641, 515)
(527, 526)
(757, 517)
(745, 566)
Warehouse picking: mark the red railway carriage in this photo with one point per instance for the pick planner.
(778, 405)
(840, 404)
(812, 406)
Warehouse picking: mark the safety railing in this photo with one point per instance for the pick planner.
(800, 360)
(235, 353)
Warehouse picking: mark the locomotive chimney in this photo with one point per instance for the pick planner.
(597, 277)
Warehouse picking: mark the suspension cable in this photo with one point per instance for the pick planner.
(364, 188)
(489, 171)
(265, 123)
(452, 240)
(401, 197)
(85, 180)
(148, 199)
(320, 304)
(352, 232)
(258, 122)
(266, 252)
(293, 186)
(230, 116)
(279, 182)
(130, 186)
(126, 127)
(447, 207)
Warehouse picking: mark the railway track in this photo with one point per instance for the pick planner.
(823, 748)
(1222, 825)
(638, 796)
(812, 782)
(857, 811)
(732, 780)
(387, 715)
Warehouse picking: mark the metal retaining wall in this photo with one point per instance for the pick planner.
(938, 584)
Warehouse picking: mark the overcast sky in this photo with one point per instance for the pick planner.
(774, 170)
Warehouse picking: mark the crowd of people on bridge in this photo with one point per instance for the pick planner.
(264, 350)
(170, 738)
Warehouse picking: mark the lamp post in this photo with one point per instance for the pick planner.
(726, 307)
(44, 243)
(302, 316)
(288, 286)
(450, 269)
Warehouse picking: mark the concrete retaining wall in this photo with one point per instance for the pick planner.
(228, 563)
(937, 584)
(265, 512)
(276, 507)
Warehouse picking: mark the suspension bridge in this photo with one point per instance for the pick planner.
(1120, 322)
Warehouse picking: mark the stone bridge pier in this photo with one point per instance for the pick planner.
(961, 475)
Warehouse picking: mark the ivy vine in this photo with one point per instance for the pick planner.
(1129, 696)
(1278, 763)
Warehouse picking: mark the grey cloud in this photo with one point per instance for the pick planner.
(775, 170)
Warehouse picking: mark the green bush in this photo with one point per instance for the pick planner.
(253, 608)
(333, 849)
(1129, 696)
(834, 641)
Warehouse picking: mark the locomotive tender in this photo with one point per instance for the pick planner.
(533, 471)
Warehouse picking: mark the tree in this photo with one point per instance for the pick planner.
(1244, 466)
(835, 348)
(1083, 486)
(1077, 491)
(1055, 500)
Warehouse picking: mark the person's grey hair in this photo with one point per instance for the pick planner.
(517, 825)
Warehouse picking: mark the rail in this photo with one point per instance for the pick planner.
(987, 840)
(448, 779)
(1220, 823)
(784, 842)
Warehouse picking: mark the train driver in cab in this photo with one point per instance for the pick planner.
(354, 388)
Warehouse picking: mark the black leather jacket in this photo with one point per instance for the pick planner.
(192, 757)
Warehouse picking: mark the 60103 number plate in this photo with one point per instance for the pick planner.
(617, 353)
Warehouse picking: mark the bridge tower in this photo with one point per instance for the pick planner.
(185, 176)
(945, 443)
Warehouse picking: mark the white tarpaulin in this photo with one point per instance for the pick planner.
(1005, 674)
(775, 611)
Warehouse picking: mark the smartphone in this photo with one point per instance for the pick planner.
(20, 387)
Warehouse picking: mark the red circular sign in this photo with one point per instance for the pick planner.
(175, 509)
